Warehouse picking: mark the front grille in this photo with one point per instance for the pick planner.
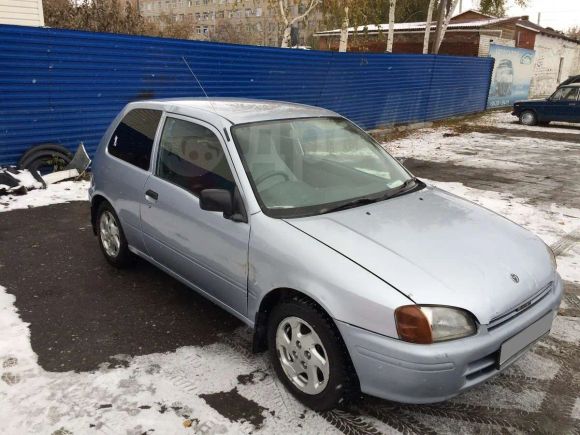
(521, 308)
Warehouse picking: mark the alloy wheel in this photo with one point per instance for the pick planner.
(302, 355)
(110, 236)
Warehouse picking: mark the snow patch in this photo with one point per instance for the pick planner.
(66, 191)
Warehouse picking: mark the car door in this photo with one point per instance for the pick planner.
(563, 104)
(204, 248)
(575, 108)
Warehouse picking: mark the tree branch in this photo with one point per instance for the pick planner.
(283, 12)
(313, 4)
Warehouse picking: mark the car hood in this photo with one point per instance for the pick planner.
(437, 248)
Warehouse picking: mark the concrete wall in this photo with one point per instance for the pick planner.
(549, 52)
(21, 12)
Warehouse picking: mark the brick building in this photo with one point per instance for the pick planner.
(468, 34)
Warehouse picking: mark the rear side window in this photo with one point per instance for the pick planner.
(133, 138)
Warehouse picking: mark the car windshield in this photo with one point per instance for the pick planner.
(308, 166)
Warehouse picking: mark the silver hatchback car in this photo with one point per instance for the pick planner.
(356, 275)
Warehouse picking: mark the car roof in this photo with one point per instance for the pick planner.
(572, 85)
(241, 110)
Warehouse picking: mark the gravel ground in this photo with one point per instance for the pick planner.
(88, 349)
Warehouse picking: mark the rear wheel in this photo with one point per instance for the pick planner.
(528, 117)
(111, 237)
(309, 355)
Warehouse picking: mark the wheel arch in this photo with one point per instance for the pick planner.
(96, 202)
(267, 303)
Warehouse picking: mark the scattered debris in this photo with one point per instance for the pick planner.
(19, 181)
(16, 182)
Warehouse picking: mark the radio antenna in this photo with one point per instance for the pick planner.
(200, 85)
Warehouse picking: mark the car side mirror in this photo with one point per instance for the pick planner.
(230, 204)
(217, 200)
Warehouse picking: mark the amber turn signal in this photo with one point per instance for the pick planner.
(412, 325)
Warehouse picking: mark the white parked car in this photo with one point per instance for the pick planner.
(354, 273)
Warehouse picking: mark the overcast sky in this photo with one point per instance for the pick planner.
(559, 14)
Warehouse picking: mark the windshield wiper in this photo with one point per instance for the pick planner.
(391, 193)
(407, 186)
(351, 204)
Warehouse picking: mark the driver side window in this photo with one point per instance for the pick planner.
(192, 157)
(566, 94)
(557, 95)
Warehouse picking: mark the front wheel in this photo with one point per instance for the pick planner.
(309, 355)
(528, 118)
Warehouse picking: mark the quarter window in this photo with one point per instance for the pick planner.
(191, 156)
(133, 138)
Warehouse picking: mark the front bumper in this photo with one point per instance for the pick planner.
(412, 373)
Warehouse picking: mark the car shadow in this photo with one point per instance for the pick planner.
(81, 310)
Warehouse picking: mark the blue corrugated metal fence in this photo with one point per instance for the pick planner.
(66, 86)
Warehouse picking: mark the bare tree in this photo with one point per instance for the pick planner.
(170, 28)
(574, 32)
(353, 13)
(238, 33)
(338, 12)
(285, 8)
(344, 32)
(114, 16)
(391, 36)
(442, 23)
(428, 26)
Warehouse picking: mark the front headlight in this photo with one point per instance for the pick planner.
(430, 324)
(552, 257)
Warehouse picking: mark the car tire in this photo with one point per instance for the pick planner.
(528, 117)
(321, 341)
(43, 158)
(112, 238)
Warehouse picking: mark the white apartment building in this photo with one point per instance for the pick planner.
(21, 12)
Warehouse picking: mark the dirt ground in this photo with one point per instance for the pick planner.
(89, 349)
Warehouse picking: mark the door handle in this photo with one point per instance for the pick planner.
(151, 196)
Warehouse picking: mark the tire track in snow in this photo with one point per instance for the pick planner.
(566, 242)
